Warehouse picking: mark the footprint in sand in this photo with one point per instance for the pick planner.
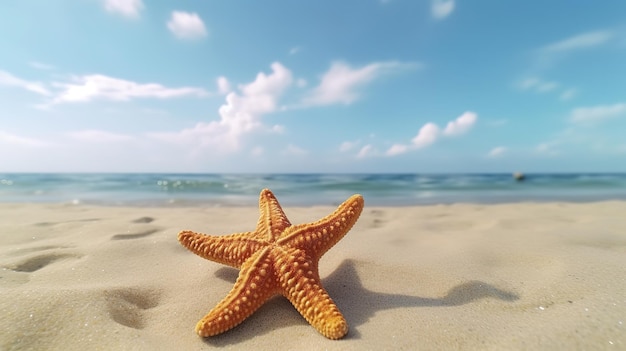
(38, 262)
(49, 224)
(378, 218)
(128, 306)
(19, 272)
(134, 235)
(143, 220)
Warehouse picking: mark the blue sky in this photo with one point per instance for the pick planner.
(312, 86)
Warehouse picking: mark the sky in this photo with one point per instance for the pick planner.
(342, 86)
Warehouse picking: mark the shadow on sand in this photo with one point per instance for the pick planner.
(357, 304)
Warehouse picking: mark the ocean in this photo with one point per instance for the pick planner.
(306, 189)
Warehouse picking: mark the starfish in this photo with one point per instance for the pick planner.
(276, 258)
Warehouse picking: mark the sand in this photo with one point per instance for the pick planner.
(464, 276)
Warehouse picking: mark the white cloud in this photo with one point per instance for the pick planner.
(461, 125)
(347, 146)
(128, 8)
(429, 133)
(223, 85)
(8, 79)
(497, 152)
(186, 25)
(341, 82)
(426, 136)
(294, 50)
(98, 136)
(365, 151)
(240, 115)
(581, 41)
(17, 140)
(98, 86)
(597, 113)
(538, 85)
(397, 149)
(441, 8)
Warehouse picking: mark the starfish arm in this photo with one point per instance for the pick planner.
(318, 237)
(232, 250)
(253, 287)
(300, 283)
(272, 219)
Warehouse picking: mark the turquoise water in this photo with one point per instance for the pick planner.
(306, 189)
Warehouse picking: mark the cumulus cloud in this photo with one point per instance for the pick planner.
(186, 25)
(127, 8)
(441, 9)
(497, 151)
(98, 86)
(240, 115)
(426, 136)
(460, 125)
(223, 85)
(597, 113)
(580, 41)
(341, 83)
(8, 79)
(429, 133)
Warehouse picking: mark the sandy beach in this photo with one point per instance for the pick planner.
(535, 276)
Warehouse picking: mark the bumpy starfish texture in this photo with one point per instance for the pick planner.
(276, 258)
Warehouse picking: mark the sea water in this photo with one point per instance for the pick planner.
(306, 189)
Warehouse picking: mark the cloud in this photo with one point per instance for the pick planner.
(365, 151)
(340, 84)
(597, 113)
(186, 25)
(17, 140)
(581, 41)
(98, 136)
(127, 8)
(98, 86)
(223, 85)
(347, 146)
(294, 50)
(8, 79)
(497, 152)
(426, 136)
(429, 133)
(460, 125)
(397, 149)
(240, 115)
(441, 9)
(538, 85)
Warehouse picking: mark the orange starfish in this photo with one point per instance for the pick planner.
(276, 258)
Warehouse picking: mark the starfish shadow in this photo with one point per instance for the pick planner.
(357, 304)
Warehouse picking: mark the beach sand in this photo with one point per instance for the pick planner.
(464, 276)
